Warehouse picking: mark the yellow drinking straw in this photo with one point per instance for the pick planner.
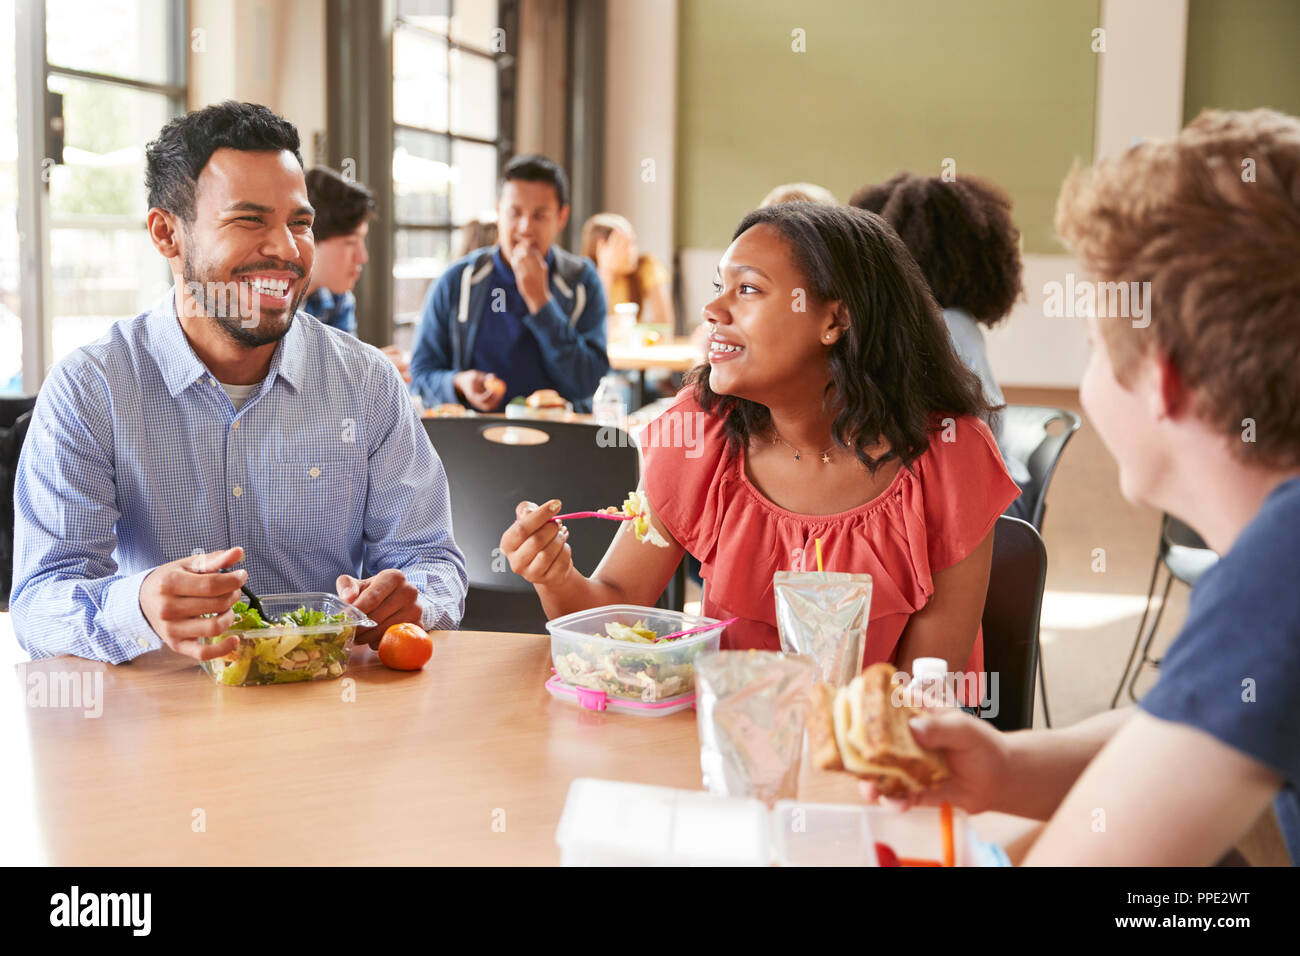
(818, 542)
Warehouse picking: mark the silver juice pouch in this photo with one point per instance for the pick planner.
(822, 615)
(751, 706)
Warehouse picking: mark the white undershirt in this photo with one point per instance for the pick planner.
(239, 393)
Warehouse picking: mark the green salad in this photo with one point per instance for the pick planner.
(282, 658)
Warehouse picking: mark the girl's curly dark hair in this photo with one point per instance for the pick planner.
(894, 373)
(961, 235)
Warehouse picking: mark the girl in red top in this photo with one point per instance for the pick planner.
(833, 406)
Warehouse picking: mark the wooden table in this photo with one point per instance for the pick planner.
(415, 770)
(677, 355)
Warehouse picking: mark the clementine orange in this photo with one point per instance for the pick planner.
(405, 647)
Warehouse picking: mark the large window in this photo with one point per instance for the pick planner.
(91, 83)
(446, 135)
(11, 331)
(114, 69)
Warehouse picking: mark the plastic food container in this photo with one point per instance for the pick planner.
(589, 699)
(611, 823)
(626, 671)
(287, 654)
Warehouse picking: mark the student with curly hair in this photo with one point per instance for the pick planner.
(961, 235)
(833, 406)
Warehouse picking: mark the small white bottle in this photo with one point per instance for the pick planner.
(931, 685)
(607, 404)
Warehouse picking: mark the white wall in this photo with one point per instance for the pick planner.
(1139, 94)
(262, 51)
(641, 119)
(1140, 76)
(541, 77)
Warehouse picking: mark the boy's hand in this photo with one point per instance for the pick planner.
(387, 599)
(529, 267)
(479, 388)
(174, 596)
(977, 759)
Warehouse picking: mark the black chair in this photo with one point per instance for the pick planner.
(15, 415)
(1011, 614)
(1186, 557)
(1026, 433)
(488, 477)
(1031, 435)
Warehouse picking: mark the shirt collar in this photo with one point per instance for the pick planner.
(181, 367)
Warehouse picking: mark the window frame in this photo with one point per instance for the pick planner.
(35, 218)
(502, 142)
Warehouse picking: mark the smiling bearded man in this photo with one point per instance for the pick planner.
(223, 426)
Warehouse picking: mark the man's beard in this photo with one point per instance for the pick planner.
(225, 310)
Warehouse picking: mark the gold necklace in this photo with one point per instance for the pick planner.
(798, 455)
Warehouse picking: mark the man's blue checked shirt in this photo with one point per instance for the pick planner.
(136, 456)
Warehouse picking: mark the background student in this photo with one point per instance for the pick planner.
(523, 312)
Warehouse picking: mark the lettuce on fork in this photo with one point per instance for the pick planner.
(638, 505)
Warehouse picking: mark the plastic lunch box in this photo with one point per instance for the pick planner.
(648, 680)
(611, 823)
(276, 655)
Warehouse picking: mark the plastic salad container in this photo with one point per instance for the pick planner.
(627, 671)
(314, 647)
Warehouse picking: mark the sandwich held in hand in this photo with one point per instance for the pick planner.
(860, 729)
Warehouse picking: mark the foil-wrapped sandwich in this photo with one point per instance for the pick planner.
(860, 728)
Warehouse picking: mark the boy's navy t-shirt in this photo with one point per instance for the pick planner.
(1234, 669)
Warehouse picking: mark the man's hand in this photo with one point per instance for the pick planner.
(386, 598)
(174, 596)
(482, 390)
(529, 267)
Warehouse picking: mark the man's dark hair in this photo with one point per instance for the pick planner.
(960, 233)
(184, 146)
(538, 169)
(341, 205)
(894, 374)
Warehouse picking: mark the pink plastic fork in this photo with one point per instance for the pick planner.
(696, 630)
(594, 514)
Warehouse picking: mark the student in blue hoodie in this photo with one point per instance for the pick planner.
(523, 313)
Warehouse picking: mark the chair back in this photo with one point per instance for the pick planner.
(1184, 551)
(491, 467)
(15, 415)
(1011, 619)
(1024, 432)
